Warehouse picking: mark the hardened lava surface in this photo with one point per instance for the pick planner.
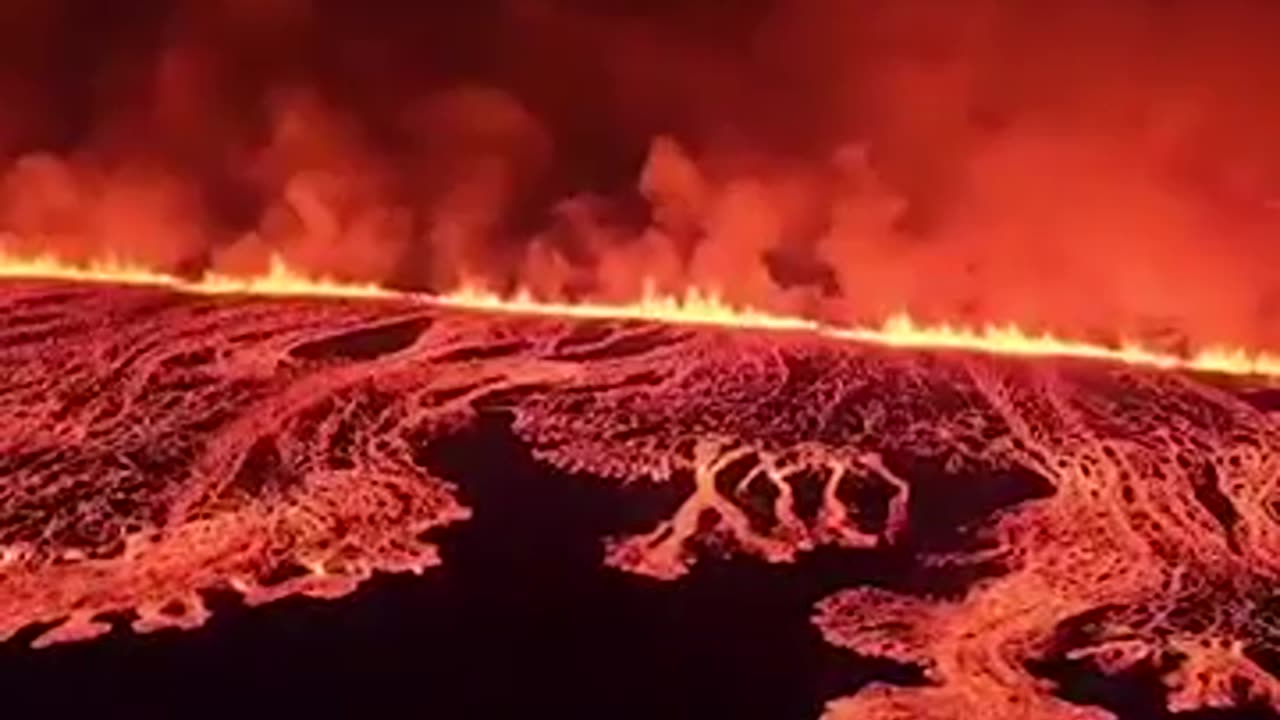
(155, 445)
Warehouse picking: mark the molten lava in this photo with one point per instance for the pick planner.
(1047, 497)
(154, 444)
(693, 307)
(278, 280)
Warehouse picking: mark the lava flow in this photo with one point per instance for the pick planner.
(693, 307)
(155, 444)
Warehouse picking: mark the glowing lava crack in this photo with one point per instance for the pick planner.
(154, 444)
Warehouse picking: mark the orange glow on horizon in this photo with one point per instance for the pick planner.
(693, 307)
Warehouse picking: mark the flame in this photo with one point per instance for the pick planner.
(899, 330)
(693, 307)
(279, 280)
(108, 270)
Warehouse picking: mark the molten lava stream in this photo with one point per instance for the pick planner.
(1122, 513)
(693, 307)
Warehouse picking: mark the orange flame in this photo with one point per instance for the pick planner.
(694, 307)
(279, 279)
(899, 330)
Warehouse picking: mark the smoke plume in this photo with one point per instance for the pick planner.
(1095, 167)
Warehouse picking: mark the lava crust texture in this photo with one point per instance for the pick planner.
(155, 445)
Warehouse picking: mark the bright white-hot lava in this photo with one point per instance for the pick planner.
(692, 307)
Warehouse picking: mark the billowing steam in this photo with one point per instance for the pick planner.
(1092, 167)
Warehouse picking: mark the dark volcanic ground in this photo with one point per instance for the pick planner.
(1008, 525)
(522, 618)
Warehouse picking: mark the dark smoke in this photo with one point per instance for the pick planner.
(1093, 166)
